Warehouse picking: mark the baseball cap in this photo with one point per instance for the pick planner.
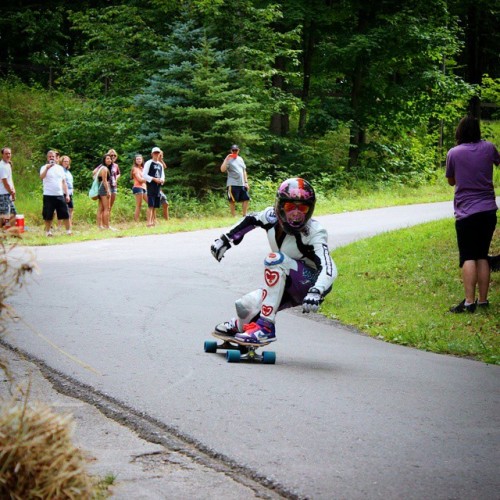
(156, 150)
(235, 146)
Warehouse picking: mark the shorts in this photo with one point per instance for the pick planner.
(474, 235)
(57, 203)
(70, 202)
(102, 190)
(163, 198)
(154, 201)
(237, 193)
(7, 207)
(137, 190)
(113, 190)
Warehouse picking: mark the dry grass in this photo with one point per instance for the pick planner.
(37, 457)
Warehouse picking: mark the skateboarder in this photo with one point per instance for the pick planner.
(299, 269)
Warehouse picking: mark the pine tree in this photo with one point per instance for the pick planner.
(195, 108)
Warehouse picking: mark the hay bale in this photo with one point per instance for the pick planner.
(37, 457)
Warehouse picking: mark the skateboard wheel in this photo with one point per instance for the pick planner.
(210, 346)
(233, 356)
(269, 357)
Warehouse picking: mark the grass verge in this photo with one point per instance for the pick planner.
(398, 287)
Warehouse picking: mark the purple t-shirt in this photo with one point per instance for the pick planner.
(471, 165)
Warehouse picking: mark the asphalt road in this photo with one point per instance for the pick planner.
(340, 415)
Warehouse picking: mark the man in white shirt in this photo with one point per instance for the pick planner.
(154, 175)
(7, 189)
(55, 193)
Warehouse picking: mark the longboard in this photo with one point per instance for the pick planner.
(239, 351)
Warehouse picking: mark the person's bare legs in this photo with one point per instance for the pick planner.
(244, 206)
(150, 217)
(469, 278)
(483, 279)
(104, 207)
(165, 211)
(138, 204)
(232, 207)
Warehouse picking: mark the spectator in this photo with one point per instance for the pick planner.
(66, 164)
(55, 193)
(237, 180)
(115, 175)
(154, 175)
(103, 172)
(7, 189)
(469, 167)
(139, 187)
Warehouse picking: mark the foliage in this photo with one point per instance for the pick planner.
(388, 80)
(116, 43)
(193, 94)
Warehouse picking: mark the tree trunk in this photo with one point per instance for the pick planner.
(308, 41)
(357, 134)
(280, 122)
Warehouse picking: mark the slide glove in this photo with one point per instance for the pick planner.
(312, 300)
(219, 247)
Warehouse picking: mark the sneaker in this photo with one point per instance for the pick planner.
(228, 327)
(460, 308)
(68, 232)
(48, 234)
(483, 305)
(260, 332)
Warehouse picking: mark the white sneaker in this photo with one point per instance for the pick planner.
(68, 232)
(48, 234)
(228, 327)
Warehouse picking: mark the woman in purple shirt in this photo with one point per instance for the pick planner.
(469, 167)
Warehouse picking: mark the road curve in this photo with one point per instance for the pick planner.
(340, 415)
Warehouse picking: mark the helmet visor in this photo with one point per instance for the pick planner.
(290, 206)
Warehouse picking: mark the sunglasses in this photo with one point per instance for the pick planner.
(289, 206)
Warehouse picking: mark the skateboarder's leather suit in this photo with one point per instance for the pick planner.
(299, 269)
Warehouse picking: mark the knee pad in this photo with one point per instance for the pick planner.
(249, 305)
(274, 259)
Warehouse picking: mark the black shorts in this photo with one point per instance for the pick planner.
(154, 201)
(57, 204)
(474, 234)
(70, 202)
(237, 193)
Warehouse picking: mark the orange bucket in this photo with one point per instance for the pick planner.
(20, 222)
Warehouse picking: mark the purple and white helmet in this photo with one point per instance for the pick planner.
(294, 206)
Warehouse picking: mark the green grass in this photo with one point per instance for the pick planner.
(187, 215)
(398, 287)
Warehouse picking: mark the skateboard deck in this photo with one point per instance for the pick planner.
(237, 350)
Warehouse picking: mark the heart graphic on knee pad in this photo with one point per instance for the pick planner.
(271, 277)
(264, 295)
(266, 310)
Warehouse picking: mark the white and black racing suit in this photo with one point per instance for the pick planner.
(297, 263)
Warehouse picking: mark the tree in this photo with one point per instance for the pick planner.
(114, 53)
(194, 108)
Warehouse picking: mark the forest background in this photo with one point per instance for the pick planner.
(345, 93)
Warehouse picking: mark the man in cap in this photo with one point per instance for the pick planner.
(237, 180)
(154, 175)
